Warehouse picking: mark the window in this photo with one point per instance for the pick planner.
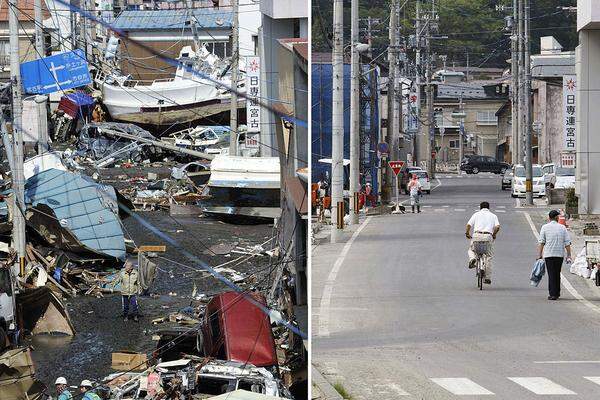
(487, 118)
(454, 144)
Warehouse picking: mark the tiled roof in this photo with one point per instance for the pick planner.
(132, 20)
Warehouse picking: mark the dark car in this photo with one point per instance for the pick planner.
(475, 164)
(507, 180)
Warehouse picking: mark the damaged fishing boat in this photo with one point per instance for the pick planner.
(198, 90)
(243, 187)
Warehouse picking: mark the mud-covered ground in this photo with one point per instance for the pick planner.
(100, 328)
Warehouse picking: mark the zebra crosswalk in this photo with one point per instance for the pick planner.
(462, 386)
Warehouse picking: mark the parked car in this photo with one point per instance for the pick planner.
(548, 170)
(405, 175)
(560, 178)
(518, 181)
(423, 177)
(475, 164)
(507, 179)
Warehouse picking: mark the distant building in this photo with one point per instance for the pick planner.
(168, 30)
(26, 34)
(481, 100)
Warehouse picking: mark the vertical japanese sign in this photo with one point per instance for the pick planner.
(252, 102)
(569, 110)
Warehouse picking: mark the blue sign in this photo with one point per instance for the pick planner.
(59, 72)
(383, 148)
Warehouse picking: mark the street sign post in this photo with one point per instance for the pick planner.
(396, 166)
(62, 71)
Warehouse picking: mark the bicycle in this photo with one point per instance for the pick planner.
(481, 250)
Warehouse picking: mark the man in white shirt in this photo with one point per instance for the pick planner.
(554, 240)
(485, 227)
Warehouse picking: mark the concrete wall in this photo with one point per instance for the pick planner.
(548, 110)
(283, 9)
(588, 121)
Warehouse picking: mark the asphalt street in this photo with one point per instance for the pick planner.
(396, 312)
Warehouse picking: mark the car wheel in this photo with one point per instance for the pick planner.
(475, 170)
(514, 196)
(503, 188)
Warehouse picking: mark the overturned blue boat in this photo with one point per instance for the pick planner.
(73, 213)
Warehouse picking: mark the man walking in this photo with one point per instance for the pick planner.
(554, 239)
(128, 278)
(414, 189)
(485, 227)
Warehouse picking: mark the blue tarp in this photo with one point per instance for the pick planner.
(321, 124)
(131, 20)
(83, 207)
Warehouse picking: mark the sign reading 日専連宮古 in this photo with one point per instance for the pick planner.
(62, 71)
(569, 111)
(253, 101)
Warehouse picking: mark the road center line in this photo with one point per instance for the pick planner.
(328, 289)
(565, 282)
(567, 362)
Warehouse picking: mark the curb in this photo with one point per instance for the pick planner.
(324, 386)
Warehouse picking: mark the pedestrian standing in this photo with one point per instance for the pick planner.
(369, 195)
(554, 240)
(414, 189)
(130, 288)
(61, 389)
(86, 390)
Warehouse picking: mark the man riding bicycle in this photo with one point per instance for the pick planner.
(485, 227)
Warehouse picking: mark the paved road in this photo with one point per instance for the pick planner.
(403, 316)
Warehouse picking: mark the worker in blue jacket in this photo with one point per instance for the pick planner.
(61, 389)
(86, 389)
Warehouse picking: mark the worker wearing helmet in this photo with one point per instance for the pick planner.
(86, 390)
(61, 389)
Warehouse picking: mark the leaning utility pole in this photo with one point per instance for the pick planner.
(354, 115)
(18, 180)
(337, 123)
(373, 131)
(514, 99)
(418, 85)
(235, 48)
(391, 102)
(527, 109)
(41, 100)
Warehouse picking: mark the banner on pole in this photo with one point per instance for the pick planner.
(569, 111)
(252, 102)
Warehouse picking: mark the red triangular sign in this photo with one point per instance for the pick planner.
(396, 166)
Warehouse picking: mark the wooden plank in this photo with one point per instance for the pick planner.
(157, 249)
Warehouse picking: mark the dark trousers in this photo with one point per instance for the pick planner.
(553, 266)
(130, 301)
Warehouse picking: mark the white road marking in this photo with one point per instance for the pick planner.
(460, 209)
(462, 386)
(439, 209)
(328, 289)
(500, 211)
(540, 385)
(501, 207)
(567, 362)
(426, 206)
(445, 206)
(563, 279)
(395, 388)
(595, 379)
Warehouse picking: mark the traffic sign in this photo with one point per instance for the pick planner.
(383, 148)
(396, 166)
(59, 72)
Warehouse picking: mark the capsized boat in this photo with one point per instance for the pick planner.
(187, 97)
(243, 186)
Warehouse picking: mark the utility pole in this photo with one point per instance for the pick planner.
(418, 84)
(373, 94)
(461, 134)
(430, 119)
(514, 100)
(18, 180)
(391, 100)
(520, 86)
(354, 115)
(41, 101)
(337, 122)
(235, 48)
(527, 110)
